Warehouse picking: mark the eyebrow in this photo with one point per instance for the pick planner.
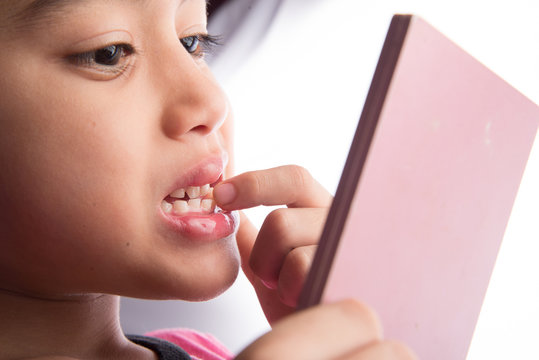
(40, 11)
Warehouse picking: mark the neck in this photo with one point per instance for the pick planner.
(77, 326)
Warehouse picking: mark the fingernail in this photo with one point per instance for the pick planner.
(224, 193)
(268, 284)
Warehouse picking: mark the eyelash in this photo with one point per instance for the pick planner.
(89, 59)
(204, 44)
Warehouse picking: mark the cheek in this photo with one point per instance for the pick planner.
(66, 161)
(76, 212)
(70, 179)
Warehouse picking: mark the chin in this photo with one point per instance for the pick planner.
(212, 274)
(214, 285)
(197, 275)
(201, 288)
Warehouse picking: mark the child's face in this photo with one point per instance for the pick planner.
(104, 112)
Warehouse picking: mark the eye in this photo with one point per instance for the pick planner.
(200, 44)
(108, 58)
(190, 43)
(110, 55)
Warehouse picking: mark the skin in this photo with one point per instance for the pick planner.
(88, 153)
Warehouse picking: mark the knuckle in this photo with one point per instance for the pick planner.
(278, 224)
(300, 258)
(301, 177)
(256, 182)
(362, 314)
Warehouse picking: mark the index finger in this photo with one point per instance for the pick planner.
(289, 185)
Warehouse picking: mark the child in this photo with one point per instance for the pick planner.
(113, 137)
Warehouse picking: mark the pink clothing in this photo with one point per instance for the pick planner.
(199, 345)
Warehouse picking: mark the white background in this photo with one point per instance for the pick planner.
(297, 97)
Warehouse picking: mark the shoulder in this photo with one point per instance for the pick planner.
(199, 345)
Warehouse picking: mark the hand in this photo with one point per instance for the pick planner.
(342, 331)
(276, 259)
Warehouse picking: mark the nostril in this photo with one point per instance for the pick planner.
(203, 129)
(176, 129)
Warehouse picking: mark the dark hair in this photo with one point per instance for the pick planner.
(213, 5)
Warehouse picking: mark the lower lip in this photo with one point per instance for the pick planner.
(204, 227)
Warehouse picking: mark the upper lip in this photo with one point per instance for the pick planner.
(208, 171)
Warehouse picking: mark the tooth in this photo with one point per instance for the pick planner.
(194, 204)
(207, 205)
(166, 206)
(180, 193)
(180, 207)
(193, 191)
(204, 190)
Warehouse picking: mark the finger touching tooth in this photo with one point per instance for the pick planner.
(207, 205)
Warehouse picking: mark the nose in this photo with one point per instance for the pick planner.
(193, 101)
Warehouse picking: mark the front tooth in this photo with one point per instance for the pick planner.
(166, 206)
(207, 205)
(178, 194)
(194, 204)
(193, 191)
(204, 190)
(180, 207)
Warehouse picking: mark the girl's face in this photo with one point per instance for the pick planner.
(106, 109)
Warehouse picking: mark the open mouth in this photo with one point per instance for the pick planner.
(190, 200)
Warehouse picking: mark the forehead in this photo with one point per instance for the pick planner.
(22, 14)
(28, 13)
